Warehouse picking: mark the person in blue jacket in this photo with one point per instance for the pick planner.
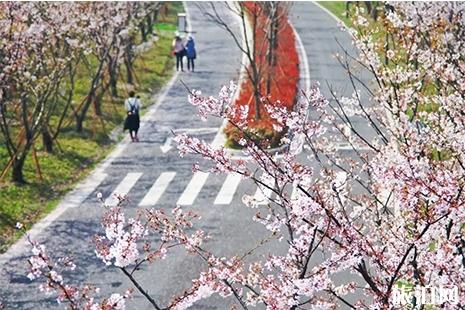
(190, 53)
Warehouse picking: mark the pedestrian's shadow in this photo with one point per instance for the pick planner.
(73, 239)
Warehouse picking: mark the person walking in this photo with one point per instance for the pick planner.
(179, 51)
(190, 53)
(132, 122)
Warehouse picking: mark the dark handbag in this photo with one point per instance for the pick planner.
(131, 114)
(126, 123)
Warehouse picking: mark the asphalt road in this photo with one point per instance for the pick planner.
(146, 164)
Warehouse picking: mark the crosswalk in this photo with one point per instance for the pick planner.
(190, 193)
(158, 188)
(124, 186)
(226, 194)
(193, 189)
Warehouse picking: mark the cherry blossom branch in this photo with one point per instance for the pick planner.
(139, 288)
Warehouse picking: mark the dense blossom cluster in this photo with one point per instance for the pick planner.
(121, 244)
(355, 227)
(391, 216)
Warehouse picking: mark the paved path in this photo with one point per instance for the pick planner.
(322, 39)
(150, 176)
(152, 173)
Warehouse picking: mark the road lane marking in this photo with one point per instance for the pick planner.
(296, 145)
(220, 137)
(263, 194)
(193, 189)
(166, 146)
(227, 191)
(200, 131)
(157, 189)
(124, 186)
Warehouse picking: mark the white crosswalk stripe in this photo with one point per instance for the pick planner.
(263, 193)
(157, 189)
(227, 191)
(193, 188)
(124, 186)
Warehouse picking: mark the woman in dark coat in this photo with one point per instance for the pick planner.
(132, 122)
(190, 53)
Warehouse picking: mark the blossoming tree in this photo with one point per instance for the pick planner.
(35, 55)
(389, 215)
(42, 45)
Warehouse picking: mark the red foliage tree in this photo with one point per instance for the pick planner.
(281, 77)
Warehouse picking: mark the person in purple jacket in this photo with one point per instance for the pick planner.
(190, 53)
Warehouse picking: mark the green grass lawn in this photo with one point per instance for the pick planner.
(75, 154)
(338, 8)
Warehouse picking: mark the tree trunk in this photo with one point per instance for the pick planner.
(149, 24)
(17, 172)
(80, 117)
(113, 78)
(47, 140)
(143, 32)
(257, 104)
(255, 71)
(374, 13)
(128, 59)
(372, 9)
(272, 44)
(348, 8)
(270, 56)
(129, 75)
(97, 106)
(17, 175)
(368, 6)
(79, 124)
